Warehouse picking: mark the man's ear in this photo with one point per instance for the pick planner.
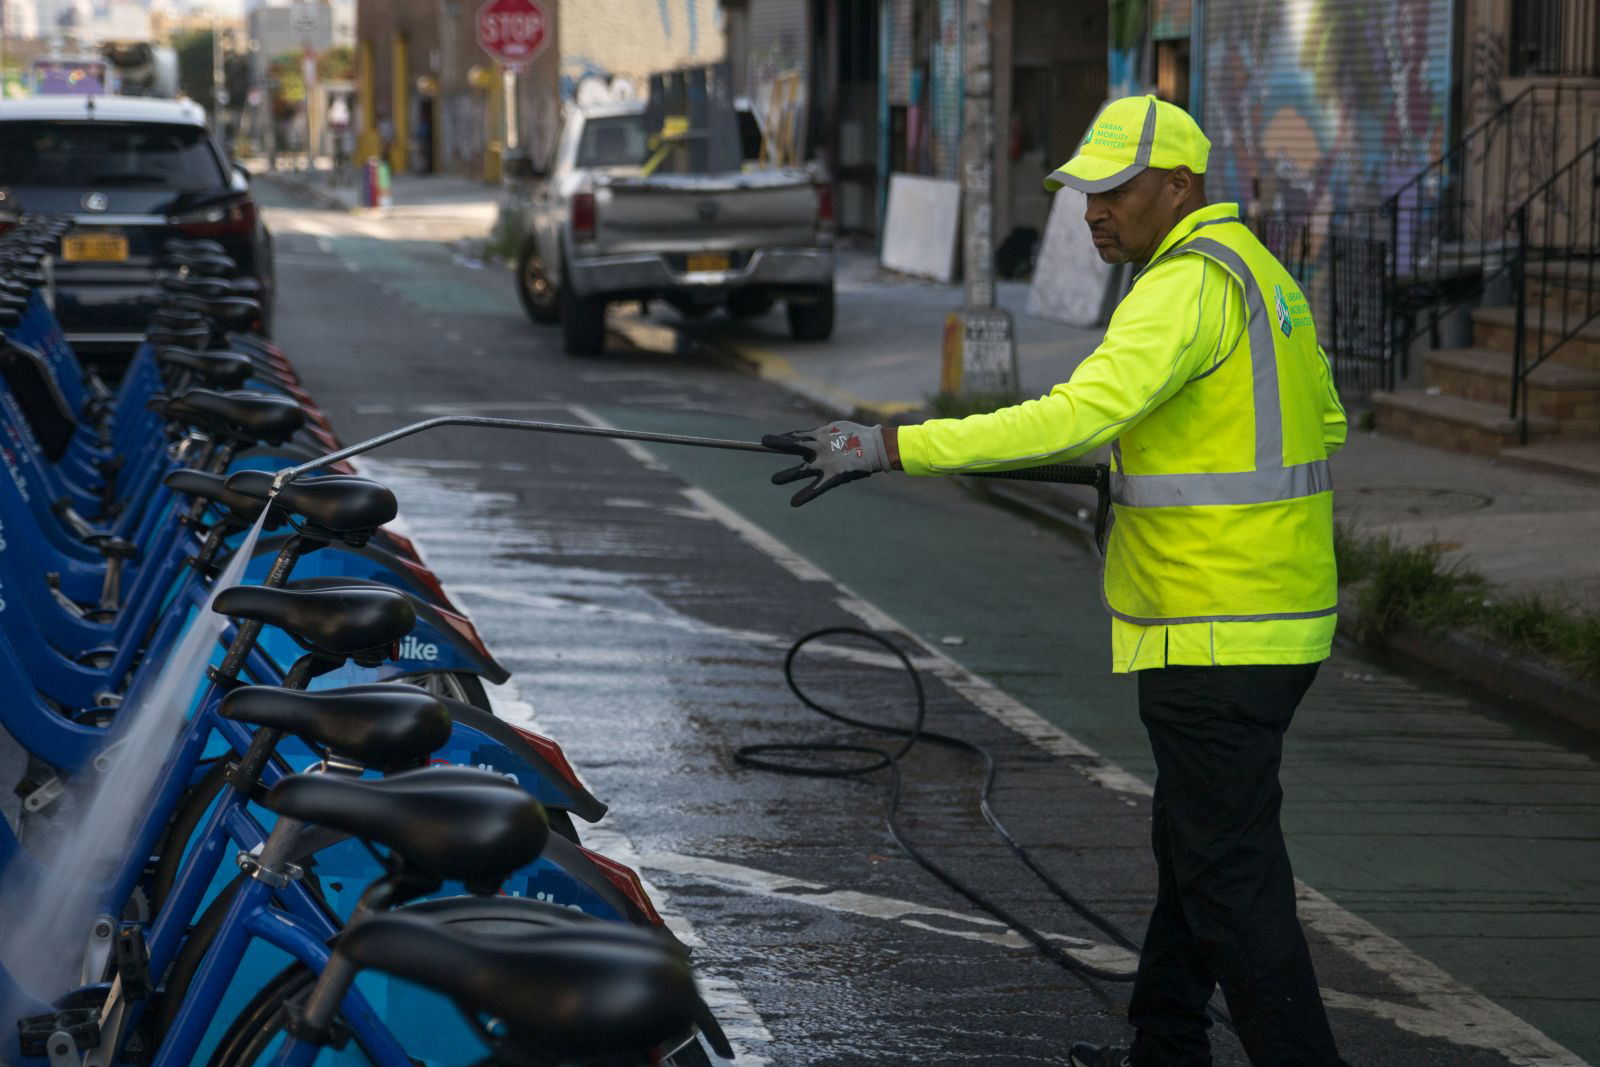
(1181, 182)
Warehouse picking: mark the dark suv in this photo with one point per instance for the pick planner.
(133, 172)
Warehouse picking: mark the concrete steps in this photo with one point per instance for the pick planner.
(1573, 459)
(1496, 327)
(1569, 395)
(1454, 423)
(1468, 391)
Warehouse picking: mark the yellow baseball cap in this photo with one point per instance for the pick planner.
(1128, 136)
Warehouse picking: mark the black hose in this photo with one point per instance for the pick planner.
(761, 757)
(765, 757)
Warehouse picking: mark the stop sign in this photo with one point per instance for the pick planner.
(512, 31)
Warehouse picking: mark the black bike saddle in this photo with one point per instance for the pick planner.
(452, 823)
(384, 727)
(221, 370)
(246, 416)
(213, 487)
(337, 623)
(565, 995)
(187, 336)
(231, 309)
(340, 503)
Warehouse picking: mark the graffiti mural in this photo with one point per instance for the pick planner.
(1319, 105)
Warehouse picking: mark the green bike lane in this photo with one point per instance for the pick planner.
(1471, 837)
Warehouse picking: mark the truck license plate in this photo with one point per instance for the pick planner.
(708, 261)
(94, 248)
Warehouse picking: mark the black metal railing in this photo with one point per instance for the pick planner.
(1449, 238)
(1341, 260)
(1554, 271)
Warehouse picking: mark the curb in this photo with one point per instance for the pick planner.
(771, 367)
(1467, 660)
(1471, 661)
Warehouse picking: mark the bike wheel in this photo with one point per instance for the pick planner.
(181, 830)
(452, 685)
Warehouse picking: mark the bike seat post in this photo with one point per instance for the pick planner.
(244, 638)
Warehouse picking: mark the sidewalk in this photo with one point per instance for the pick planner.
(1526, 532)
(465, 207)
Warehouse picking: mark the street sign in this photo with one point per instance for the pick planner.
(512, 31)
(303, 23)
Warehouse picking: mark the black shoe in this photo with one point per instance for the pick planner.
(1084, 1054)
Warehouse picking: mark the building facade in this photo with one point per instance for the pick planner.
(628, 40)
(429, 98)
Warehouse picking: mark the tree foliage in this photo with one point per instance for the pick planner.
(195, 74)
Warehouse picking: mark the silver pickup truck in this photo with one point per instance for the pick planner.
(597, 229)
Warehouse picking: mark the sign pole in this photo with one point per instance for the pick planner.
(980, 353)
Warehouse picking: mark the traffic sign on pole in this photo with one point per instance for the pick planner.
(512, 31)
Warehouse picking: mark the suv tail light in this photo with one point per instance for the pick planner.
(237, 219)
(583, 216)
(824, 205)
(627, 882)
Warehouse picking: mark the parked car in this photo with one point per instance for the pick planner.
(598, 229)
(133, 172)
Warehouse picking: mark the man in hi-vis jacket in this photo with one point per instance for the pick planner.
(1221, 413)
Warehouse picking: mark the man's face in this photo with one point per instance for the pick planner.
(1128, 222)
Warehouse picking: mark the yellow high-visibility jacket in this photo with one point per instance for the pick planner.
(1222, 412)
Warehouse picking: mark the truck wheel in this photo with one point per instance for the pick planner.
(811, 317)
(583, 324)
(534, 287)
(748, 303)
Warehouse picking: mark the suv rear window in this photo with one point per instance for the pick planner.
(613, 141)
(109, 154)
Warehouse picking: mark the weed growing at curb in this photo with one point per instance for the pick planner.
(1395, 581)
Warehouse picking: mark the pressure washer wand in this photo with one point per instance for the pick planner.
(1061, 473)
(291, 473)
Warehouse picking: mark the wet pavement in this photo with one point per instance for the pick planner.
(644, 599)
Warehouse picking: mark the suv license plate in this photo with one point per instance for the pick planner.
(94, 248)
(708, 261)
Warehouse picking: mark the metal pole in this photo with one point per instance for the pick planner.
(216, 77)
(988, 351)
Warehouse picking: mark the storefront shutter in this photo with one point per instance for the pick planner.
(1314, 105)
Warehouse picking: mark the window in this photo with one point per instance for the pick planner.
(109, 154)
(613, 141)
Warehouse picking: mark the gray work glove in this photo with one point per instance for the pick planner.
(834, 453)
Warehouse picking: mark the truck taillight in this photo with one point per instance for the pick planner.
(825, 205)
(234, 220)
(583, 221)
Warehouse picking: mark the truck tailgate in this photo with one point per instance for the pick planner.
(724, 212)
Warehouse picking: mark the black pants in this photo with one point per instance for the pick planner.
(1225, 911)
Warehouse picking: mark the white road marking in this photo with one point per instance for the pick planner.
(1447, 1008)
(970, 926)
(737, 1016)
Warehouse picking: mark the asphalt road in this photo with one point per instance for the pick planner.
(644, 599)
